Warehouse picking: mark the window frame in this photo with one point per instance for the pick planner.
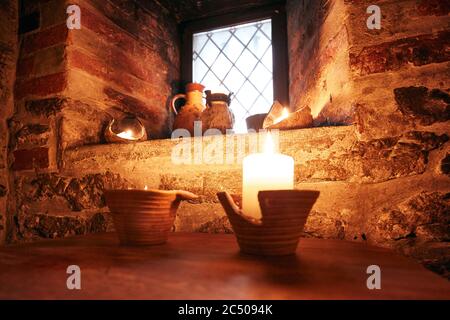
(280, 64)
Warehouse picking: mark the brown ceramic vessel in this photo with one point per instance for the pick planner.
(284, 214)
(144, 217)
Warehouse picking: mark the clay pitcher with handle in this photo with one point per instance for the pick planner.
(192, 109)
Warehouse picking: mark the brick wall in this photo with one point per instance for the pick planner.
(319, 62)
(400, 72)
(347, 73)
(72, 82)
(8, 57)
(125, 58)
(392, 83)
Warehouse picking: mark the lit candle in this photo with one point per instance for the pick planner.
(264, 171)
(126, 135)
(284, 115)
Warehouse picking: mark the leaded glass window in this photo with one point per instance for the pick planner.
(237, 59)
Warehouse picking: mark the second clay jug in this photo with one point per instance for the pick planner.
(217, 114)
(192, 110)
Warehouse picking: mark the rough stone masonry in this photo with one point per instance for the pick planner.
(379, 153)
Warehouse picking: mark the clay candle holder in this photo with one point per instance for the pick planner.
(284, 214)
(144, 217)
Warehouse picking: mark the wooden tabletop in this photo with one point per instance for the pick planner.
(207, 266)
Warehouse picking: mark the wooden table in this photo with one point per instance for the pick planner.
(205, 266)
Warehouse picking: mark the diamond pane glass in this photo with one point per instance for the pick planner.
(239, 60)
(234, 80)
(267, 30)
(220, 38)
(259, 106)
(233, 49)
(209, 53)
(201, 69)
(246, 62)
(211, 79)
(250, 93)
(267, 60)
(260, 76)
(224, 66)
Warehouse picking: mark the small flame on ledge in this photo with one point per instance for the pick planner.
(284, 115)
(145, 188)
(126, 135)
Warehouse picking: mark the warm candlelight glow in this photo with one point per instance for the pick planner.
(145, 188)
(126, 135)
(268, 144)
(264, 171)
(284, 115)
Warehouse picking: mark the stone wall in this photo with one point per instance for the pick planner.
(319, 62)
(400, 72)
(72, 82)
(8, 57)
(392, 83)
(383, 180)
(345, 72)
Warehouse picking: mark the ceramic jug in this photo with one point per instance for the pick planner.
(192, 109)
(217, 114)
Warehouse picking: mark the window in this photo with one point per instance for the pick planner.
(237, 59)
(245, 54)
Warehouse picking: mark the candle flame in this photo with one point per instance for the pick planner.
(268, 144)
(145, 188)
(284, 115)
(126, 135)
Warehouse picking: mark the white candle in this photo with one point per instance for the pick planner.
(264, 171)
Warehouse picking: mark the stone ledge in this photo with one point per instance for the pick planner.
(152, 158)
(320, 154)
